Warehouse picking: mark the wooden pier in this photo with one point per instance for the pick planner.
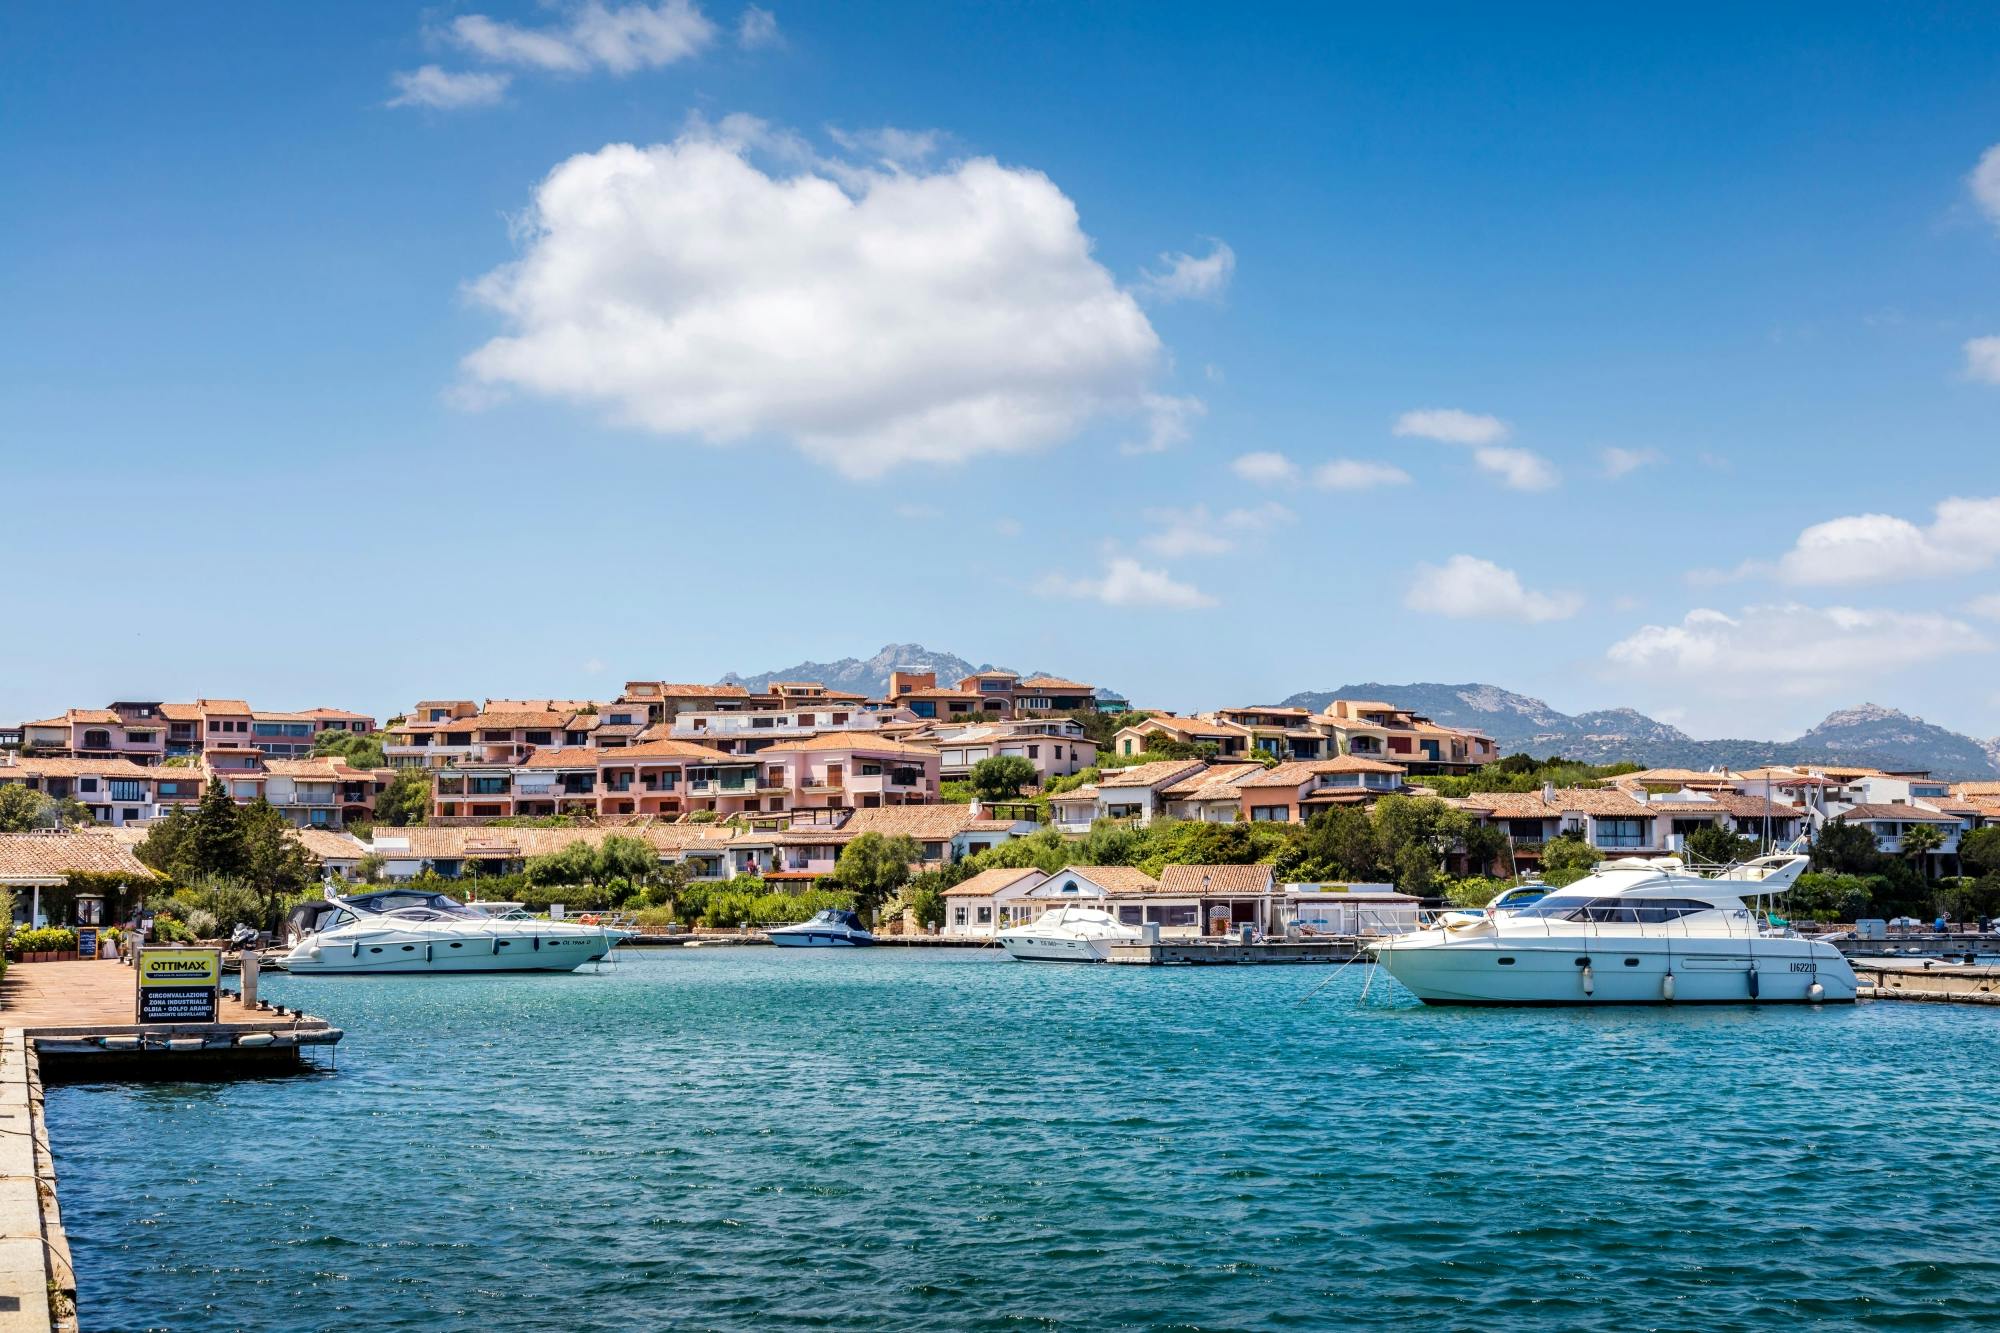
(1214, 952)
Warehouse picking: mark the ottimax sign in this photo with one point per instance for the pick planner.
(179, 985)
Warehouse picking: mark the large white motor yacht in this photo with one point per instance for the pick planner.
(1632, 932)
(1067, 934)
(404, 931)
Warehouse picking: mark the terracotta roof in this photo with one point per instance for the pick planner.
(1579, 800)
(662, 689)
(330, 846)
(517, 719)
(229, 706)
(1185, 726)
(321, 770)
(1116, 879)
(926, 823)
(97, 716)
(1053, 683)
(1154, 774)
(1081, 795)
(1219, 879)
(671, 750)
(1293, 774)
(1739, 806)
(988, 882)
(567, 756)
(181, 712)
(31, 855)
(1221, 782)
(338, 712)
(1908, 814)
(26, 766)
(1354, 763)
(852, 740)
(1976, 789)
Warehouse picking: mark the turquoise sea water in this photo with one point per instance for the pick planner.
(745, 1139)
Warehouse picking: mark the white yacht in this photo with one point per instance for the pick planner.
(835, 928)
(1067, 934)
(1632, 932)
(1507, 900)
(407, 931)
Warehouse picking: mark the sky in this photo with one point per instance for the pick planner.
(356, 354)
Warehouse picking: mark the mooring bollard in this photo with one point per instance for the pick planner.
(249, 979)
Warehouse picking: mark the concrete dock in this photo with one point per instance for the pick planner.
(1935, 981)
(1220, 952)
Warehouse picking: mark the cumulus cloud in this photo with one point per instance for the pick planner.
(1518, 469)
(590, 36)
(1962, 537)
(1265, 467)
(1468, 588)
(1622, 462)
(1127, 583)
(875, 320)
(1448, 425)
(1982, 360)
(891, 148)
(1188, 277)
(1986, 607)
(440, 88)
(1169, 421)
(1184, 532)
(757, 29)
(1791, 649)
(1357, 474)
(1984, 183)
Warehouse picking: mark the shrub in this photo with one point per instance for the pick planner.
(45, 939)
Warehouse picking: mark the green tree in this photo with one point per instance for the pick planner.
(873, 867)
(1001, 777)
(1340, 844)
(1818, 897)
(23, 808)
(275, 863)
(1845, 849)
(1980, 850)
(359, 749)
(406, 801)
(1567, 859)
(621, 856)
(215, 838)
(1715, 845)
(574, 864)
(1919, 841)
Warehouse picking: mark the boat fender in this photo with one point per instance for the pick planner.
(1815, 992)
(1667, 986)
(1753, 981)
(1589, 981)
(356, 950)
(496, 944)
(427, 951)
(538, 943)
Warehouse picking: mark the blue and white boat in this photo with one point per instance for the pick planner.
(835, 928)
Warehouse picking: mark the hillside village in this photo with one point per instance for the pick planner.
(983, 789)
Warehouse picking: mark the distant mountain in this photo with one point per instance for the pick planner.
(1869, 735)
(869, 676)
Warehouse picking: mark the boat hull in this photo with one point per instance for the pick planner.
(1550, 971)
(405, 955)
(817, 939)
(1056, 949)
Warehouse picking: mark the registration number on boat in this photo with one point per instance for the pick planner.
(1805, 967)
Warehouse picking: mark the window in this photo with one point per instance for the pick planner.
(1034, 752)
(1177, 914)
(1271, 814)
(933, 851)
(958, 916)
(1621, 833)
(1131, 916)
(868, 770)
(985, 915)
(86, 784)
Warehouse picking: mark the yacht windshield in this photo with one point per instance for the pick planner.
(1625, 911)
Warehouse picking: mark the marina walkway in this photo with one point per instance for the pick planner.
(84, 994)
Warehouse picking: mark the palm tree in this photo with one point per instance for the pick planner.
(1919, 841)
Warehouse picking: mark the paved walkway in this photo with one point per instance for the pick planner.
(67, 995)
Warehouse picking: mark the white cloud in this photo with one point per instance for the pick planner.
(1357, 474)
(1188, 277)
(891, 148)
(1468, 588)
(1125, 582)
(1986, 607)
(1169, 421)
(1621, 462)
(1519, 469)
(1265, 468)
(1184, 532)
(621, 40)
(1448, 425)
(882, 320)
(1963, 537)
(1985, 183)
(1982, 359)
(1791, 649)
(757, 28)
(445, 90)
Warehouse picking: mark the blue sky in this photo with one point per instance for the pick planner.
(1206, 354)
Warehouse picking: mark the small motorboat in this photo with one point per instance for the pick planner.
(835, 928)
(1067, 934)
(405, 931)
(1510, 900)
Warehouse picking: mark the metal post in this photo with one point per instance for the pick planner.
(249, 977)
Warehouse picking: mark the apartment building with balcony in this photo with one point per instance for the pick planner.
(1293, 792)
(322, 793)
(839, 768)
(139, 735)
(1376, 730)
(1282, 733)
(999, 693)
(443, 733)
(663, 701)
(115, 791)
(747, 732)
(1056, 746)
(1136, 794)
(1230, 740)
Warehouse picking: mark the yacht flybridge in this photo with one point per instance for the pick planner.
(1633, 932)
(405, 931)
